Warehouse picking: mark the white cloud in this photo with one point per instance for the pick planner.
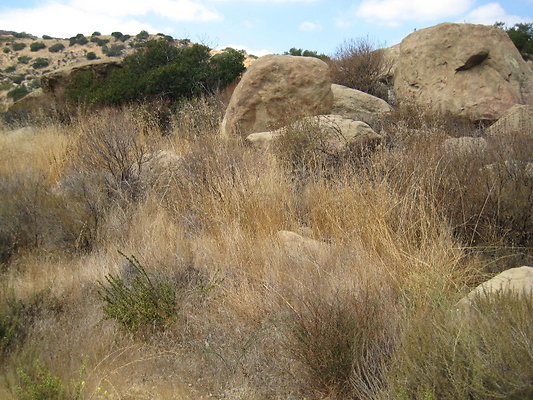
(393, 11)
(490, 13)
(310, 27)
(66, 18)
(256, 52)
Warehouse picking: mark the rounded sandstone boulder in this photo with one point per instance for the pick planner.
(276, 90)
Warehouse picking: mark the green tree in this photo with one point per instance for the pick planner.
(18, 46)
(40, 63)
(142, 35)
(91, 55)
(522, 36)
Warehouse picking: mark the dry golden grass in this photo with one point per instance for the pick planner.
(255, 319)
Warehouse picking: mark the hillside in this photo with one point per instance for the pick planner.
(17, 59)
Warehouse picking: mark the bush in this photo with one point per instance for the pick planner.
(358, 65)
(18, 46)
(6, 86)
(91, 55)
(125, 37)
(41, 63)
(484, 354)
(78, 39)
(96, 33)
(306, 53)
(36, 46)
(47, 37)
(35, 83)
(114, 51)
(343, 342)
(6, 50)
(142, 35)
(56, 48)
(39, 384)
(24, 59)
(11, 68)
(141, 303)
(22, 35)
(19, 79)
(101, 42)
(117, 35)
(18, 93)
(159, 69)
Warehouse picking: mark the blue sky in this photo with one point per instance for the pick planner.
(258, 26)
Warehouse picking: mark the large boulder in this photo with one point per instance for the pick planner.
(276, 89)
(517, 120)
(357, 105)
(471, 71)
(518, 280)
(335, 132)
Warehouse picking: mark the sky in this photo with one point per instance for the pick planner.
(257, 26)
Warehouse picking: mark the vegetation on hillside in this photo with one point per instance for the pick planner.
(160, 70)
(306, 53)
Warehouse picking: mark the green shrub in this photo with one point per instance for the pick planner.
(24, 59)
(117, 35)
(22, 35)
(36, 46)
(18, 93)
(96, 33)
(41, 63)
(482, 354)
(306, 53)
(39, 384)
(6, 86)
(142, 35)
(78, 39)
(56, 48)
(35, 83)
(19, 79)
(522, 36)
(6, 50)
(47, 37)
(11, 68)
(142, 303)
(159, 69)
(101, 42)
(114, 51)
(91, 55)
(18, 46)
(125, 37)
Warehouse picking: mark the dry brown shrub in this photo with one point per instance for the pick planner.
(358, 65)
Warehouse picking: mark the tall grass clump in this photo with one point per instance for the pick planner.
(483, 353)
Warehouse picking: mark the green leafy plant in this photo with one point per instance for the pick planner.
(114, 50)
(18, 46)
(41, 63)
(142, 303)
(24, 59)
(522, 36)
(142, 35)
(18, 93)
(11, 68)
(78, 39)
(56, 48)
(36, 46)
(306, 53)
(91, 55)
(6, 50)
(117, 35)
(6, 86)
(19, 79)
(39, 384)
(47, 37)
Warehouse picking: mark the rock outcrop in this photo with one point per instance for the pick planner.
(335, 132)
(518, 280)
(471, 71)
(275, 90)
(357, 105)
